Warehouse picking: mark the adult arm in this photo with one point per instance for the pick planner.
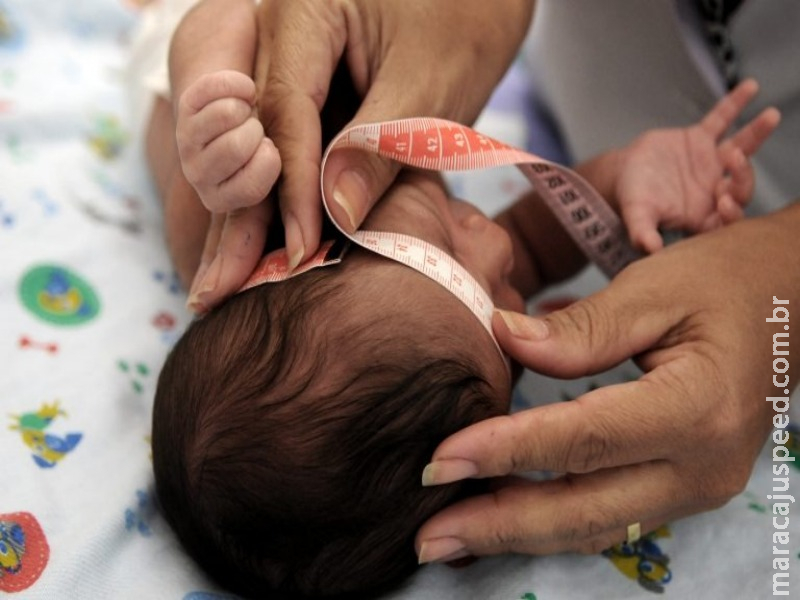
(681, 439)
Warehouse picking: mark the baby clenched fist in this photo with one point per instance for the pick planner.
(223, 150)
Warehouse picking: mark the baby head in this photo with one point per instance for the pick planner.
(291, 425)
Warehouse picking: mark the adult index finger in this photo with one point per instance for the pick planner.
(608, 427)
(305, 41)
(240, 246)
(583, 513)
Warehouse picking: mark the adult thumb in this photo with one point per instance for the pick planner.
(354, 180)
(587, 337)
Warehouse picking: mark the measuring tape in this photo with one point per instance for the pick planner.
(436, 144)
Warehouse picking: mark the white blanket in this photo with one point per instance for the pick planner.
(89, 307)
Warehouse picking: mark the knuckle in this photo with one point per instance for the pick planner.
(729, 484)
(589, 521)
(719, 423)
(378, 171)
(590, 448)
(245, 192)
(585, 522)
(235, 143)
(230, 112)
(504, 534)
(193, 174)
(592, 523)
(588, 322)
(502, 539)
(183, 140)
(214, 201)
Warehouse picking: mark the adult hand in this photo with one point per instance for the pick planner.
(692, 178)
(406, 59)
(410, 58)
(681, 439)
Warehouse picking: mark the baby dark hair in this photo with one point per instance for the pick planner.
(291, 426)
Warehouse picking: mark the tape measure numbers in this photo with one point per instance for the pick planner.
(440, 145)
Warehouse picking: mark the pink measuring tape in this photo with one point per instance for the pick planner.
(440, 145)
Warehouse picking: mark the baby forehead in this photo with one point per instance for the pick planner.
(379, 288)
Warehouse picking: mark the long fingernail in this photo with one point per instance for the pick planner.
(350, 191)
(447, 471)
(295, 247)
(198, 277)
(524, 326)
(207, 284)
(442, 549)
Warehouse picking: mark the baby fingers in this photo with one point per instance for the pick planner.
(740, 180)
(213, 120)
(215, 86)
(223, 158)
(253, 182)
(750, 137)
(641, 220)
(728, 210)
(720, 118)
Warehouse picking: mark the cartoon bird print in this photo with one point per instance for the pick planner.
(12, 546)
(643, 561)
(59, 297)
(48, 449)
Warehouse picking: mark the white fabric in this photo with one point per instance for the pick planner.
(74, 193)
(148, 72)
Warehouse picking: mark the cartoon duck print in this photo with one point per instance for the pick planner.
(24, 551)
(59, 297)
(48, 449)
(643, 561)
(108, 138)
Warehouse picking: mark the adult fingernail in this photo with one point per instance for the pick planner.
(295, 247)
(350, 191)
(441, 550)
(447, 471)
(198, 277)
(524, 326)
(205, 285)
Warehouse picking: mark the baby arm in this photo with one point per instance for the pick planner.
(223, 151)
(685, 178)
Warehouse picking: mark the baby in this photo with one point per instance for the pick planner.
(292, 423)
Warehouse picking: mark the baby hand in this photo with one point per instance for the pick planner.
(691, 178)
(222, 147)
